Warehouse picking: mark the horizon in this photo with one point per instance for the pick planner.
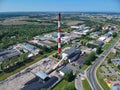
(60, 6)
(60, 12)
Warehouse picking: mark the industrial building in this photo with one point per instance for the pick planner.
(71, 53)
(27, 48)
(43, 76)
(81, 30)
(97, 43)
(64, 70)
(8, 54)
(30, 47)
(42, 43)
(55, 36)
(39, 38)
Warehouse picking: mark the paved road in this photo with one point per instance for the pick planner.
(78, 83)
(91, 74)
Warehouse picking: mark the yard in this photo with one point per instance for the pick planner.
(84, 67)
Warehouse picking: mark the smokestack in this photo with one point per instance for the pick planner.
(59, 36)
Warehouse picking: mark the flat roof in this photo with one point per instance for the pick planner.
(42, 75)
(65, 69)
(29, 46)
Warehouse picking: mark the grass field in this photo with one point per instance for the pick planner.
(86, 85)
(62, 84)
(84, 67)
(101, 80)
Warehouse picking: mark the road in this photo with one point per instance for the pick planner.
(91, 74)
(78, 83)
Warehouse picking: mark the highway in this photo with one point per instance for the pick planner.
(91, 74)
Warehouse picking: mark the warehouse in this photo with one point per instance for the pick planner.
(71, 53)
(8, 54)
(64, 70)
(43, 76)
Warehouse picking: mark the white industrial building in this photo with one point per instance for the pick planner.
(71, 53)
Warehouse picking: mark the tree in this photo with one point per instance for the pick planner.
(80, 67)
(99, 50)
(23, 57)
(87, 61)
(57, 56)
(105, 31)
(114, 34)
(109, 60)
(118, 66)
(91, 57)
(69, 76)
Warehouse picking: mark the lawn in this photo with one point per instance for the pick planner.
(62, 84)
(86, 85)
(84, 67)
(101, 80)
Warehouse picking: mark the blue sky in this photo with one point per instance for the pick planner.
(60, 5)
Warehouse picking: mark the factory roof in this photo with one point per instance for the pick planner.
(65, 69)
(42, 75)
(29, 46)
(74, 54)
(45, 43)
(70, 50)
(7, 54)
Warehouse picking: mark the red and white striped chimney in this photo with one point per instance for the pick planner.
(59, 36)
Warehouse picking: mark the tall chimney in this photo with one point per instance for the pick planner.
(59, 36)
